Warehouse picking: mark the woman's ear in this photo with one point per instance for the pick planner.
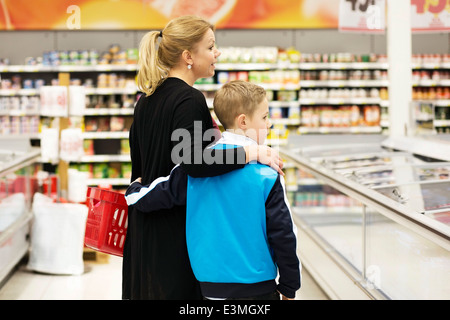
(187, 57)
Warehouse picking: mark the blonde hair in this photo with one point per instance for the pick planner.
(155, 61)
(235, 98)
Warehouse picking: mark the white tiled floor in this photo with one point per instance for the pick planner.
(100, 281)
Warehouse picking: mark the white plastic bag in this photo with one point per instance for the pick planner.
(57, 236)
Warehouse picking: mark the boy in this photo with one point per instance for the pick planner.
(239, 229)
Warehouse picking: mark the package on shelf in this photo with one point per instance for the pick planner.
(77, 185)
(49, 144)
(71, 144)
(124, 146)
(340, 116)
(126, 170)
(4, 61)
(100, 170)
(340, 57)
(294, 113)
(429, 58)
(275, 77)
(27, 105)
(342, 93)
(431, 93)
(117, 123)
(227, 76)
(88, 147)
(248, 55)
(286, 95)
(278, 133)
(88, 168)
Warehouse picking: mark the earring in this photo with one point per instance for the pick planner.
(189, 67)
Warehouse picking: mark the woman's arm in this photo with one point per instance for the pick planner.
(194, 132)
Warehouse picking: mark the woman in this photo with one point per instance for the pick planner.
(155, 260)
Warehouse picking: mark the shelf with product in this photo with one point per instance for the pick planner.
(110, 93)
(431, 84)
(109, 81)
(300, 86)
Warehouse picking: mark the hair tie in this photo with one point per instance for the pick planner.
(160, 33)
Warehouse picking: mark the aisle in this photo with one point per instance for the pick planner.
(101, 281)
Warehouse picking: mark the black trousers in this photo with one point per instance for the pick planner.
(268, 296)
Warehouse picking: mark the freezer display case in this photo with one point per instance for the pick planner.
(373, 221)
(17, 162)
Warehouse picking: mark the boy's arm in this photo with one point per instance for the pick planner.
(162, 193)
(281, 233)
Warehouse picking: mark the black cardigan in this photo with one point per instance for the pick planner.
(155, 260)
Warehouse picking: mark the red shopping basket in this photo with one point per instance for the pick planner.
(107, 221)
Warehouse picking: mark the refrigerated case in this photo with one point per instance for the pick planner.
(17, 160)
(374, 222)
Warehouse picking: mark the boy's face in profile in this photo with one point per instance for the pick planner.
(258, 124)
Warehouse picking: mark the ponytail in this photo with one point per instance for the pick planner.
(151, 72)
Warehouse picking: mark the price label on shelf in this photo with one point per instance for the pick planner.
(365, 16)
(430, 16)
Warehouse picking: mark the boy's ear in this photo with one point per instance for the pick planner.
(241, 121)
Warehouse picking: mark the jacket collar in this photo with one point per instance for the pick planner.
(235, 139)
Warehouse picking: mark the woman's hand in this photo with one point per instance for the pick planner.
(138, 180)
(265, 155)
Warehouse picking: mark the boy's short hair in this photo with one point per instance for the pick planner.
(235, 98)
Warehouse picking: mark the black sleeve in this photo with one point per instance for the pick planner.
(193, 133)
(162, 193)
(281, 233)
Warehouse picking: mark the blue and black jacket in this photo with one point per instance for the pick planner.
(239, 228)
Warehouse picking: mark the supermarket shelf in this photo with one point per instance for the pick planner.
(440, 103)
(286, 121)
(18, 92)
(106, 135)
(284, 104)
(338, 101)
(108, 111)
(431, 83)
(109, 91)
(68, 68)
(227, 66)
(19, 113)
(343, 65)
(357, 129)
(344, 83)
(105, 158)
(441, 123)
